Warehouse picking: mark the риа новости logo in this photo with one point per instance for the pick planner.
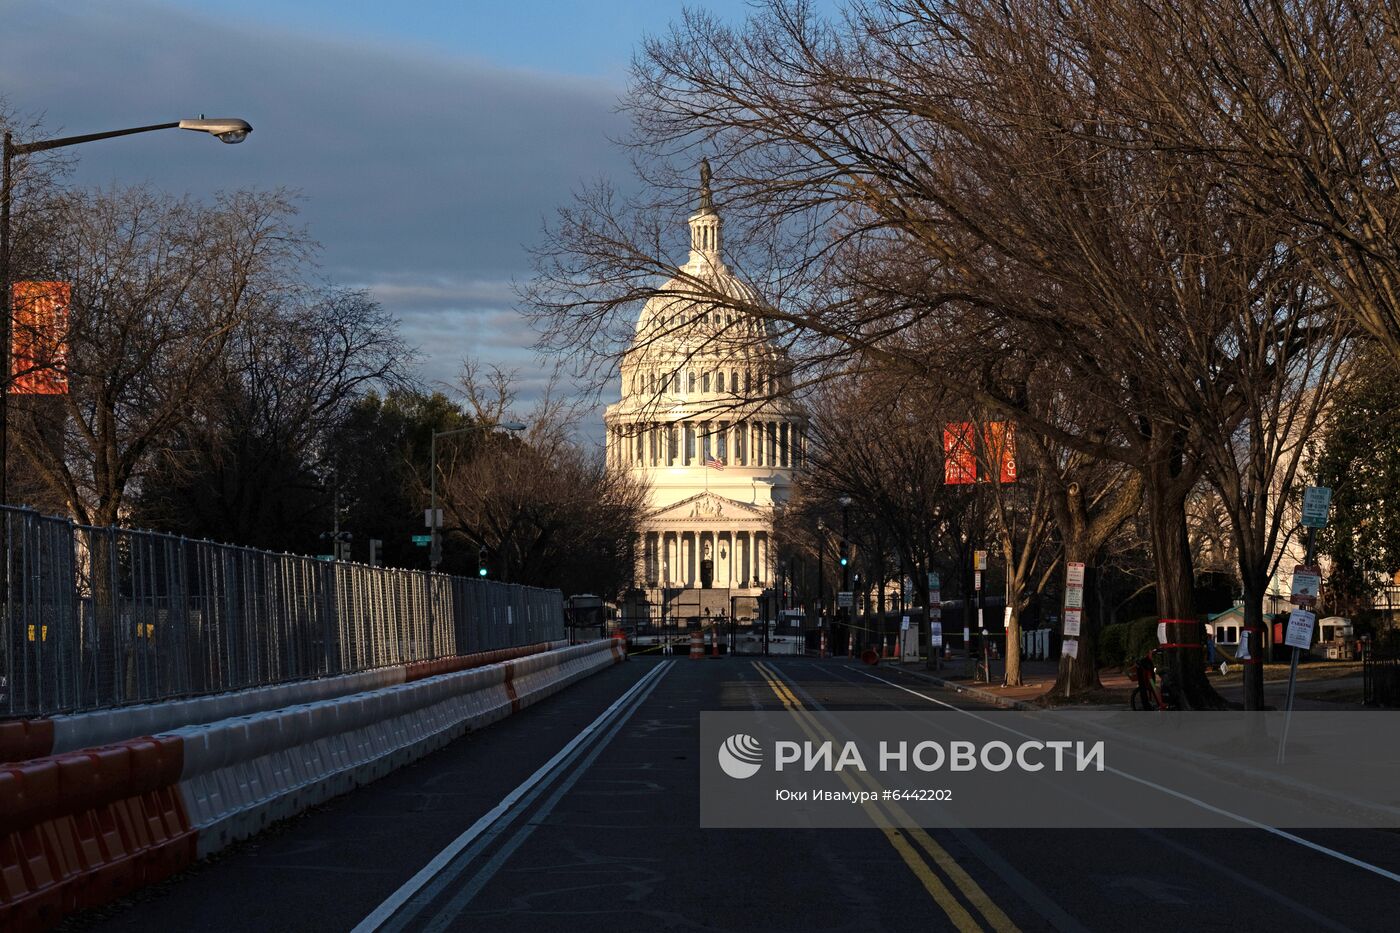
(740, 756)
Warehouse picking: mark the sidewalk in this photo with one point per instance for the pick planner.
(1320, 686)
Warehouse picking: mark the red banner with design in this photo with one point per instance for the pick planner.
(1000, 438)
(959, 453)
(39, 344)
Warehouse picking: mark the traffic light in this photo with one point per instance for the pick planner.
(845, 560)
(481, 562)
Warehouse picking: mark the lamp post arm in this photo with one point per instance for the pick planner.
(43, 145)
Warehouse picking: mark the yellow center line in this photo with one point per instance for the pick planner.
(994, 915)
(945, 899)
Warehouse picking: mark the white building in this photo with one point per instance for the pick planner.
(706, 421)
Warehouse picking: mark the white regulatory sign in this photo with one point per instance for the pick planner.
(936, 634)
(1317, 500)
(1300, 629)
(1069, 648)
(1072, 622)
(1074, 574)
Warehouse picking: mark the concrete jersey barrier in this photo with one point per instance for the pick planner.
(21, 740)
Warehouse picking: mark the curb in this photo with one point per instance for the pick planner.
(976, 692)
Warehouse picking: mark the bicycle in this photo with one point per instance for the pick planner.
(1147, 695)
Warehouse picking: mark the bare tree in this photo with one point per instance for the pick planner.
(544, 508)
(160, 286)
(1296, 100)
(247, 465)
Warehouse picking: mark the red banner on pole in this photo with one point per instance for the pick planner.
(1000, 437)
(959, 453)
(39, 345)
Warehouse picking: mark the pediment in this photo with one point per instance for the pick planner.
(706, 507)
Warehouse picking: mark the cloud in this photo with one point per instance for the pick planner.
(423, 176)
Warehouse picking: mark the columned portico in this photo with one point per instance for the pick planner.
(671, 557)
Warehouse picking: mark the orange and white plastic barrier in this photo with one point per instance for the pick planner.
(81, 828)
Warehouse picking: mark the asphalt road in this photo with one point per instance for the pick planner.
(581, 814)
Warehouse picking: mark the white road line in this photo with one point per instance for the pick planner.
(1274, 830)
(384, 911)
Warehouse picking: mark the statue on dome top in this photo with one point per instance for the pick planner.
(706, 199)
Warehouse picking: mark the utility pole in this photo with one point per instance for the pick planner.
(821, 580)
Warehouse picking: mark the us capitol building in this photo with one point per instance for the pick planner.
(705, 420)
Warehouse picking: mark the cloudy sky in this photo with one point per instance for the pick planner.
(430, 140)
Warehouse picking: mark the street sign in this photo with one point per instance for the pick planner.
(904, 624)
(1074, 585)
(935, 599)
(981, 560)
(845, 599)
(1300, 629)
(1072, 622)
(977, 581)
(325, 557)
(1306, 582)
(1006, 618)
(1069, 648)
(422, 540)
(932, 580)
(936, 634)
(1317, 500)
(429, 515)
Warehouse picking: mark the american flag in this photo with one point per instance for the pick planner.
(714, 462)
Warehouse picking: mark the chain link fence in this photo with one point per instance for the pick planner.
(102, 617)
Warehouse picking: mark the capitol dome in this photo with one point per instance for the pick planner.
(705, 419)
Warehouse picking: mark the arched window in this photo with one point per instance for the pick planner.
(719, 381)
(691, 381)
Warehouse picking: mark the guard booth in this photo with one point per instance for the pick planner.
(587, 618)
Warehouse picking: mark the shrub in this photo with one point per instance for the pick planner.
(1113, 645)
(1140, 638)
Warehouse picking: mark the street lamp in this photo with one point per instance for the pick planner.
(434, 523)
(224, 129)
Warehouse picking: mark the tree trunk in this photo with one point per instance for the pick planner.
(1254, 625)
(1184, 659)
(1013, 645)
(1082, 673)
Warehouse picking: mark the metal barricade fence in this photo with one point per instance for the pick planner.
(100, 617)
